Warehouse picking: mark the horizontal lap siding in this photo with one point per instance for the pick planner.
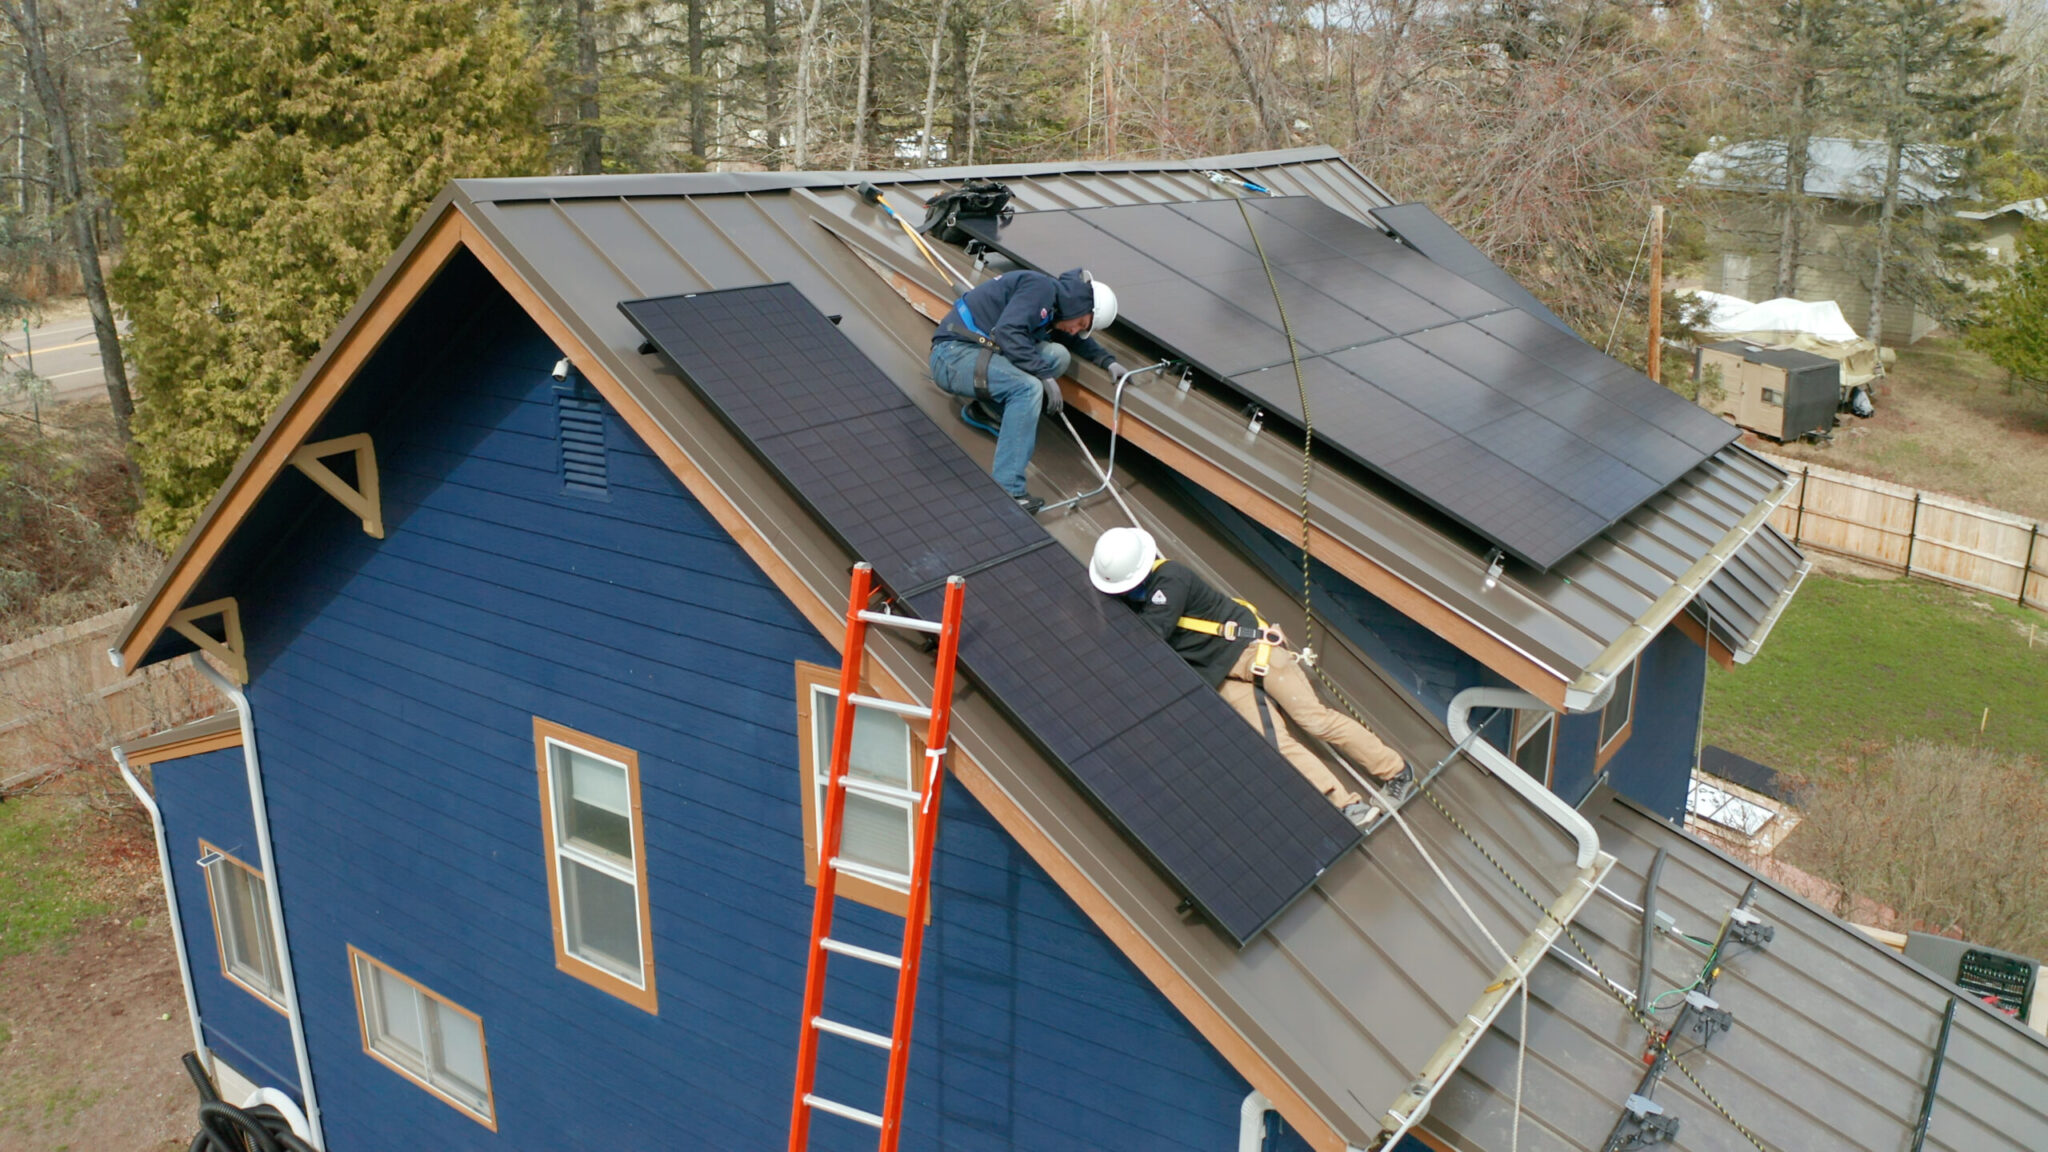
(206, 797)
(394, 686)
(1655, 765)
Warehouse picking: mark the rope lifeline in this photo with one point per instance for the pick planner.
(1660, 1042)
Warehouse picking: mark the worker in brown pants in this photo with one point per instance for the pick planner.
(1243, 658)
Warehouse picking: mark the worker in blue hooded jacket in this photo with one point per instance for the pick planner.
(1006, 343)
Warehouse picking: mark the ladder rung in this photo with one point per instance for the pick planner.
(838, 1109)
(859, 953)
(894, 621)
(860, 787)
(917, 710)
(865, 872)
(872, 1039)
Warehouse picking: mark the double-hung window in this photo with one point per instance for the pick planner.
(241, 924)
(1536, 743)
(597, 861)
(878, 832)
(1618, 718)
(424, 1037)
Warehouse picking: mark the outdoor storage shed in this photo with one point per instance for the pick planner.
(1781, 392)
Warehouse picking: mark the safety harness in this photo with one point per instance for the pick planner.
(981, 340)
(1265, 637)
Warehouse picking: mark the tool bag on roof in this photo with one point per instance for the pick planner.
(974, 200)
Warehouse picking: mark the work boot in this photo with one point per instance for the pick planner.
(981, 417)
(1361, 813)
(1029, 503)
(1398, 787)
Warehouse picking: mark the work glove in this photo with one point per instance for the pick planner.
(1054, 399)
(1116, 371)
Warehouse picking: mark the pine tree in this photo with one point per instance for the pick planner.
(2012, 326)
(283, 150)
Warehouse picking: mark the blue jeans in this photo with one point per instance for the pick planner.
(1017, 394)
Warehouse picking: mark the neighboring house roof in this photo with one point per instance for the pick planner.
(1362, 995)
(1833, 1043)
(1836, 169)
(2035, 210)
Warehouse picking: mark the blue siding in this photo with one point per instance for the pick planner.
(394, 686)
(206, 797)
(1655, 765)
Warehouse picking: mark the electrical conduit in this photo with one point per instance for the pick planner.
(260, 813)
(1492, 759)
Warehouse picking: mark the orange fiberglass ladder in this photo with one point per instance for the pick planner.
(938, 717)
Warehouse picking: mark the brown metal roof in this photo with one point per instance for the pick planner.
(1744, 600)
(1353, 989)
(1596, 608)
(1833, 1042)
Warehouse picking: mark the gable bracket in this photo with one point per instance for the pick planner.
(229, 649)
(363, 498)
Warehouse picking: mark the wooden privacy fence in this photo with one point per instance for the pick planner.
(63, 704)
(1918, 533)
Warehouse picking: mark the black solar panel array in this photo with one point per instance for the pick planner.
(1215, 807)
(1512, 426)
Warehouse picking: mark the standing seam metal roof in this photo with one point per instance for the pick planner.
(1358, 983)
(1833, 1041)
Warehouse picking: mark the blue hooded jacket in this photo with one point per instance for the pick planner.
(1017, 310)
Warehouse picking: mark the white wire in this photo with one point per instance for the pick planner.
(1615, 329)
(1099, 473)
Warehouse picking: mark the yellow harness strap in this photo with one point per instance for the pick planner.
(1262, 660)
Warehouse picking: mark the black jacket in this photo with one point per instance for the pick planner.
(1173, 591)
(1016, 311)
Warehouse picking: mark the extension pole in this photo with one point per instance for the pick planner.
(1657, 293)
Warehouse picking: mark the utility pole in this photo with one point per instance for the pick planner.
(1657, 293)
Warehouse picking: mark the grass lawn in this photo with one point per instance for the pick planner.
(45, 889)
(1855, 664)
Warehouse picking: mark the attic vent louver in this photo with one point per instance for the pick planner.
(579, 428)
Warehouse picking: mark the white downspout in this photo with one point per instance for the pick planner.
(1491, 758)
(260, 813)
(1251, 1121)
(163, 855)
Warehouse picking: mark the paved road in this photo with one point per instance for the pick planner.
(66, 356)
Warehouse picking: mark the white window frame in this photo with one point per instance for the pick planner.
(424, 1064)
(1611, 743)
(263, 977)
(818, 697)
(637, 989)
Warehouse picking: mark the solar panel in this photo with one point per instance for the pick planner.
(1215, 807)
(1474, 400)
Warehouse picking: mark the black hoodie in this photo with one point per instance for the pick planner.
(1017, 310)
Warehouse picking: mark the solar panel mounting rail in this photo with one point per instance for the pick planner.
(1215, 808)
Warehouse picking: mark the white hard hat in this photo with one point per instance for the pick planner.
(1123, 558)
(1105, 308)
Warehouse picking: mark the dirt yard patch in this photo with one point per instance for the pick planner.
(92, 1016)
(1946, 423)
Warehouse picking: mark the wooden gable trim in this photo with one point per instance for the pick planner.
(190, 746)
(304, 409)
(452, 231)
(362, 498)
(1689, 626)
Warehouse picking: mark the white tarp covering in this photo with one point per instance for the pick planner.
(1809, 326)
